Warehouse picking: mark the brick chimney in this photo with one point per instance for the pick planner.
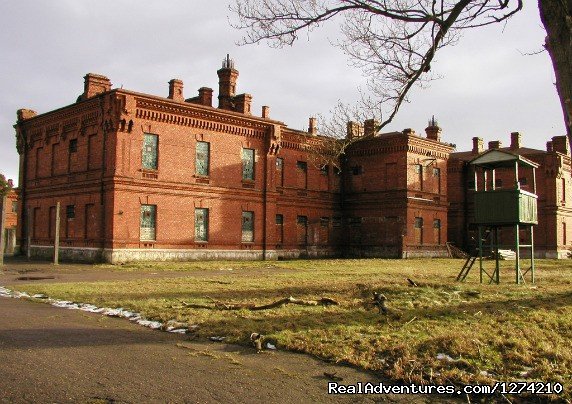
(560, 145)
(206, 96)
(515, 140)
(176, 90)
(313, 126)
(227, 77)
(354, 130)
(24, 114)
(495, 144)
(242, 103)
(409, 131)
(265, 111)
(549, 146)
(370, 127)
(433, 130)
(95, 84)
(478, 145)
(10, 183)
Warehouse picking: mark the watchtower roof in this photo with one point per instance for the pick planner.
(495, 158)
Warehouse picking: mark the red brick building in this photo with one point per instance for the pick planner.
(142, 177)
(11, 221)
(552, 235)
(146, 177)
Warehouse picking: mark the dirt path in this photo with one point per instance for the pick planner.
(49, 354)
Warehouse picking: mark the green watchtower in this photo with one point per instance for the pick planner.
(502, 207)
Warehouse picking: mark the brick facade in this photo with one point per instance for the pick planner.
(142, 177)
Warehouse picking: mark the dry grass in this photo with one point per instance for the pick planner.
(492, 332)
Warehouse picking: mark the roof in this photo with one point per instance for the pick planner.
(500, 158)
(469, 155)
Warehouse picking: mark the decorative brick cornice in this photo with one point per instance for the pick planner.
(182, 115)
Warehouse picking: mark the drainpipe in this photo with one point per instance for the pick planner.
(103, 165)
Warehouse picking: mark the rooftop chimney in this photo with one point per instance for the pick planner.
(24, 114)
(495, 144)
(515, 140)
(95, 84)
(370, 127)
(409, 131)
(478, 145)
(206, 96)
(354, 130)
(560, 145)
(242, 103)
(227, 77)
(176, 90)
(549, 146)
(433, 130)
(313, 126)
(265, 111)
(10, 183)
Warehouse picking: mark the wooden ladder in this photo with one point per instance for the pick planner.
(466, 268)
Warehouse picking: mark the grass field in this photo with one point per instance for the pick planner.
(484, 332)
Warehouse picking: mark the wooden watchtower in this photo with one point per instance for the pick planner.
(509, 206)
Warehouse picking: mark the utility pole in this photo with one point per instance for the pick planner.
(2, 225)
(57, 238)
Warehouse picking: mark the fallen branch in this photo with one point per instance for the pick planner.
(324, 301)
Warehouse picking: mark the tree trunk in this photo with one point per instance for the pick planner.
(556, 15)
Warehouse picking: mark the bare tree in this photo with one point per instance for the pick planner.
(392, 41)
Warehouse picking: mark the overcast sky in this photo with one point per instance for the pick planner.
(488, 87)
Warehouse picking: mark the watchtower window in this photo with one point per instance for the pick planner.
(247, 226)
(201, 224)
(148, 222)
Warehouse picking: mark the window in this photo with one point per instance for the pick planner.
(302, 220)
(302, 174)
(279, 229)
(149, 159)
(471, 184)
(280, 171)
(201, 224)
(247, 227)
(418, 223)
(15, 206)
(202, 158)
(148, 222)
(280, 219)
(498, 183)
(73, 145)
(437, 224)
(324, 170)
(324, 221)
(437, 231)
(418, 168)
(70, 211)
(357, 170)
(436, 172)
(248, 164)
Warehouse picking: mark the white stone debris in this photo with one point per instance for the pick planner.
(447, 358)
(217, 339)
(270, 346)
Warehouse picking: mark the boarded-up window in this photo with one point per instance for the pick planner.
(90, 221)
(419, 176)
(391, 176)
(148, 222)
(418, 230)
(302, 174)
(202, 160)
(149, 158)
(247, 226)
(248, 164)
(437, 231)
(201, 224)
(280, 172)
(302, 230)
